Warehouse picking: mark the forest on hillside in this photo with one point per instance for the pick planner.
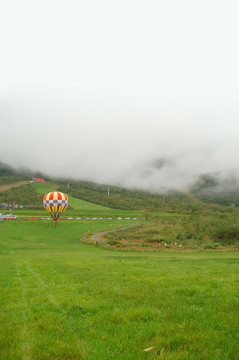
(120, 198)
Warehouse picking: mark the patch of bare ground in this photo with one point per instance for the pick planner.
(15, 184)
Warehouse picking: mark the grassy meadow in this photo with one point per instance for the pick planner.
(64, 299)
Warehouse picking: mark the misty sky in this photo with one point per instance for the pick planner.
(104, 90)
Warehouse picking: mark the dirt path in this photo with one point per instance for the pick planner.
(16, 184)
(99, 236)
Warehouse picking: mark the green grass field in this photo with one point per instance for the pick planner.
(63, 299)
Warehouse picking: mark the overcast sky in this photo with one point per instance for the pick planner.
(102, 90)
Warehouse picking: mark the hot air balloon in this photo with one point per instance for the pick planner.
(55, 203)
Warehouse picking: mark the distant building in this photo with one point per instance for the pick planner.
(38, 180)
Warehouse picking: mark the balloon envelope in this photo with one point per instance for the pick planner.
(55, 203)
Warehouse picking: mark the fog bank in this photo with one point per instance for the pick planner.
(138, 94)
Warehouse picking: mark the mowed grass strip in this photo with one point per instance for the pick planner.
(62, 299)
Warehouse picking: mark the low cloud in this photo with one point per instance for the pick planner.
(131, 145)
(145, 98)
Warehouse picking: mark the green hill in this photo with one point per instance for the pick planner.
(210, 188)
(208, 194)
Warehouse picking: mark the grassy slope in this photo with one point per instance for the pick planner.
(61, 299)
(77, 204)
(78, 207)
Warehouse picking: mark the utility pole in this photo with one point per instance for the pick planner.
(11, 207)
(108, 191)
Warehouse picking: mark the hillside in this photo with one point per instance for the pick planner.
(211, 188)
(121, 198)
(207, 194)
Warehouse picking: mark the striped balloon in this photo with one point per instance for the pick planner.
(55, 203)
